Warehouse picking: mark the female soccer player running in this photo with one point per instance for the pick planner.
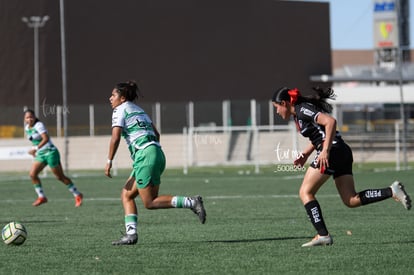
(142, 138)
(45, 153)
(333, 157)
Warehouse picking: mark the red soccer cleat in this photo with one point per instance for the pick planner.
(39, 201)
(78, 200)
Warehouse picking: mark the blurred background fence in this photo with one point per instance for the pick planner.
(172, 117)
(221, 132)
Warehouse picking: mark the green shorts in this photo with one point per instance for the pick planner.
(149, 163)
(49, 157)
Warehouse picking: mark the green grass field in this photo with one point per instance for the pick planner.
(255, 225)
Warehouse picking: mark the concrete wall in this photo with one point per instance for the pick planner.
(90, 153)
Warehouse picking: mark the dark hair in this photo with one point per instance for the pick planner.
(128, 89)
(32, 113)
(281, 94)
(294, 97)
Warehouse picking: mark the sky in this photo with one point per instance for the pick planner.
(352, 24)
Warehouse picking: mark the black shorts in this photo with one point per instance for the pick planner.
(340, 160)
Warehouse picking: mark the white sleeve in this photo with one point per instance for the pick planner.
(40, 128)
(316, 117)
(118, 118)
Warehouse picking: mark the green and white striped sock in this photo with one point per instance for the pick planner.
(131, 222)
(72, 188)
(39, 190)
(181, 202)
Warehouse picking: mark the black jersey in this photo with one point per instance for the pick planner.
(305, 119)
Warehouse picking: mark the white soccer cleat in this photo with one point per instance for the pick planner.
(198, 208)
(127, 239)
(319, 241)
(399, 194)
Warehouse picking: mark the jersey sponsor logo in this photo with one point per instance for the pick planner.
(306, 111)
(35, 136)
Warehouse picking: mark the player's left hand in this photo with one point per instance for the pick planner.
(323, 162)
(108, 170)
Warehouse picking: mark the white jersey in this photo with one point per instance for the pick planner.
(136, 126)
(34, 134)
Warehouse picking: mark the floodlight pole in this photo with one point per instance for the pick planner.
(402, 112)
(36, 22)
(64, 83)
(400, 73)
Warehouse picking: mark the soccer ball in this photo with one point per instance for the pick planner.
(14, 233)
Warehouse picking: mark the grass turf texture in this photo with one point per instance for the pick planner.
(255, 225)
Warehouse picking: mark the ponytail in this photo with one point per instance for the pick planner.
(294, 97)
(321, 97)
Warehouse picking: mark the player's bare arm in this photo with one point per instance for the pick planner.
(303, 157)
(113, 147)
(45, 139)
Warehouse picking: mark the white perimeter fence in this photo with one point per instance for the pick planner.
(280, 145)
(213, 145)
(240, 145)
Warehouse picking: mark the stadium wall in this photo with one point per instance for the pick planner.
(177, 50)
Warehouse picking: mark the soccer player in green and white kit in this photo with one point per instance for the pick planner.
(45, 153)
(142, 138)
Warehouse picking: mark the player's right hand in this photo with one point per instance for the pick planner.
(32, 152)
(300, 160)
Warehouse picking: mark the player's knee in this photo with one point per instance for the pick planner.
(127, 196)
(304, 195)
(33, 175)
(351, 203)
(149, 205)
